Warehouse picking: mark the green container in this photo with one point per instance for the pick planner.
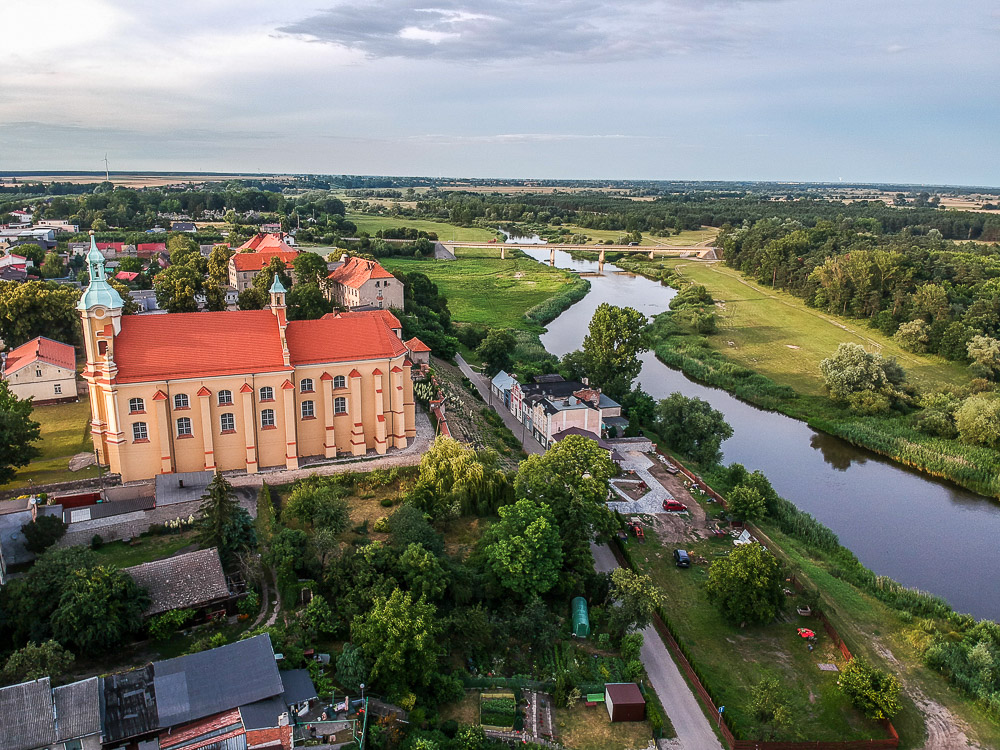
(581, 622)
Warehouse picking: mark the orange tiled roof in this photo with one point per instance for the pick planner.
(416, 345)
(263, 241)
(257, 260)
(391, 320)
(41, 350)
(356, 271)
(244, 342)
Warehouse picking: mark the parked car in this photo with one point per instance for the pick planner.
(681, 559)
(673, 506)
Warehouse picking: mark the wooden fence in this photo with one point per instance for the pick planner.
(660, 623)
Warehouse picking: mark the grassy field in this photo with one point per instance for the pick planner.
(372, 224)
(146, 549)
(732, 659)
(65, 432)
(775, 333)
(483, 289)
(688, 237)
(590, 728)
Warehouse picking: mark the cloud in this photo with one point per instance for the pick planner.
(510, 31)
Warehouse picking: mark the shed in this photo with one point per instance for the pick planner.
(624, 701)
(581, 621)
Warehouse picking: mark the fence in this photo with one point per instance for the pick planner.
(677, 652)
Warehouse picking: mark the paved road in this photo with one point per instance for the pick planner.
(693, 730)
(483, 386)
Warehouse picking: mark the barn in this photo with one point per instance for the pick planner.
(624, 701)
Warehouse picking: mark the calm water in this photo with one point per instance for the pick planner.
(512, 239)
(922, 532)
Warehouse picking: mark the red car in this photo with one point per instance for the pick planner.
(674, 506)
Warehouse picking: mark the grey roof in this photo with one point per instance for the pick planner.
(563, 434)
(108, 509)
(12, 541)
(298, 686)
(26, 713)
(128, 704)
(78, 709)
(502, 381)
(198, 685)
(182, 487)
(189, 580)
(263, 714)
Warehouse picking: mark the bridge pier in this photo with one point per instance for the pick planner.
(552, 256)
(651, 255)
(600, 262)
(503, 253)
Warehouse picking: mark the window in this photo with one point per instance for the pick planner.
(136, 406)
(38, 372)
(227, 422)
(139, 431)
(306, 386)
(340, 382)
(340, 405)
(267, 393)
(308, 409)
(183, 426)
(267, 418)
(58, 389)
(376, 285)
(73, 745)
(181, 401)
(380, 304)
(225, 398)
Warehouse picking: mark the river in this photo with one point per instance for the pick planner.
(922, 532)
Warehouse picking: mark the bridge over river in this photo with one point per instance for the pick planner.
(700, 251)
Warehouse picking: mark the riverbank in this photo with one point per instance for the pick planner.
(766, 351)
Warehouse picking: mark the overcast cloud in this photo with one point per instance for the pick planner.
(674, 89)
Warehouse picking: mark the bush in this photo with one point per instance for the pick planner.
(872, 691)
(250, 604)
(96, 542)
(164, 626)
(42, 533)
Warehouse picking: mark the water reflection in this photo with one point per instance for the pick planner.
(839, 454)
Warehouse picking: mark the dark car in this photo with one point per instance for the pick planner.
(681, 559)
(674, 506)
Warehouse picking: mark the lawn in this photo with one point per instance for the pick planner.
(65, 432)
(481, 288)
(448, 232)
(777, 335)
(684, 239)
(732, 660)
(590, 728)
(146, 549)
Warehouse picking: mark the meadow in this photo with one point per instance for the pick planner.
(65, 432)
(445, 232)
(705, 235)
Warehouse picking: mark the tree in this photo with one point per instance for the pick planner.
(866, 381)
(873, 691)
(31, 251)
(352, 668)
(319, 503)
(130, 263)
(455, 480)
(913, 336)
(176, 287)
(310, 268)
(36, 308)
(572, 478)
(985, 355)
(632, 601)
(36, 660)
(399, 637)
(251, 298)
(223, 523)
(612, 347)
(407, 524)
(18, 433)
(523, 550)
(43, 532)
(746, 585)
(692, 427)
(276, 267)
(218, 264)
(266, 521)
(307, 302)
(129, 305)
(318, 618)
(52, 267)
(99, 609)
(423, 572)
(496, 350)
(746, 504)
(215, 297)
(768, 706)
(184, 251)
(978, 420)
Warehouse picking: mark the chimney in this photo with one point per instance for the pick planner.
(343, 258)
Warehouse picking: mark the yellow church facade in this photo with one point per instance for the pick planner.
(239, 390)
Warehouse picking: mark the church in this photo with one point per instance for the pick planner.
(239, 390)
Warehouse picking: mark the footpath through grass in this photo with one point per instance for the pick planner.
(776, 334)
(445, 232)
(483, 289)
(65, 432)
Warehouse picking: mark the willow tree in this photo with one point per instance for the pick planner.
(455, 480)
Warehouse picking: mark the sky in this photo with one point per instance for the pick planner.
(901, 91)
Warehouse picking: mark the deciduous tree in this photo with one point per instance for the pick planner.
(632, 601)
(746, 585)
(978, 420)
(496, 350)
(746, 504)
(36, 660)
(306, 301)
(99, 610)
(43, 532)
(18, 433)
(873, 691)
(456, 480)
(692, 427)
(985, 355)
(612, 347)
(176, 287)
(523, 550)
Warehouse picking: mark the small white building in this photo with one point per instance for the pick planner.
(41, 369)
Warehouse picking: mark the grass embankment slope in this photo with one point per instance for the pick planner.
(483, 289)
(688, 237)
(65, 432)
(446, 232)
(776, 334)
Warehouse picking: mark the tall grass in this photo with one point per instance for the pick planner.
(549, 310)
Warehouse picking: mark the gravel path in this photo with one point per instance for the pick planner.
(652, 502)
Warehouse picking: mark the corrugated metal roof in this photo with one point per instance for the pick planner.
(198, 685)
(262, 714)
(298, 686)
(108, 509)
(128, 704)
(26, 713)
(78, 709)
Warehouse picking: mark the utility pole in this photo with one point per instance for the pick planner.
(107, 172)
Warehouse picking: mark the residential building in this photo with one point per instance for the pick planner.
(15, 262)
(254, 255)
(183, 226)
(365, 284)
(552, 405)
(13, 546)
(239, 390)
(43, 237)
(193, 580)
(33, 716)
(41, 369)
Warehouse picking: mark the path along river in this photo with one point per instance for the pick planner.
(922, 532)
